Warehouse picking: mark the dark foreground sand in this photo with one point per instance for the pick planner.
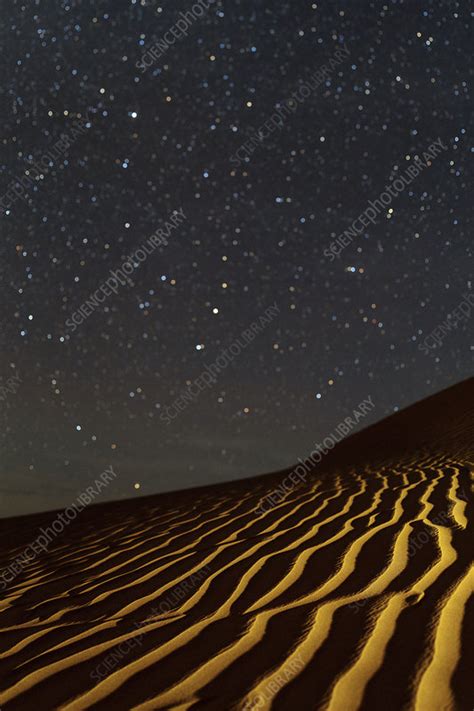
(353, 592)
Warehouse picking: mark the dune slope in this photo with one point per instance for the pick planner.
(355, 590)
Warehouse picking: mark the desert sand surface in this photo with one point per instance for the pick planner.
(353, 591)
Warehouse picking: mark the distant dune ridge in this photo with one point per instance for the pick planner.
(355, 591)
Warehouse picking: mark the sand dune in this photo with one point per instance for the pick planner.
(354, 591)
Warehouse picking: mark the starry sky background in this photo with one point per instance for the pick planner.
(161, 140)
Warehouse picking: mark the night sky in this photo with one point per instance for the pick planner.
(143, 143)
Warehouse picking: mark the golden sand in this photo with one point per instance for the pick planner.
(355, 591)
